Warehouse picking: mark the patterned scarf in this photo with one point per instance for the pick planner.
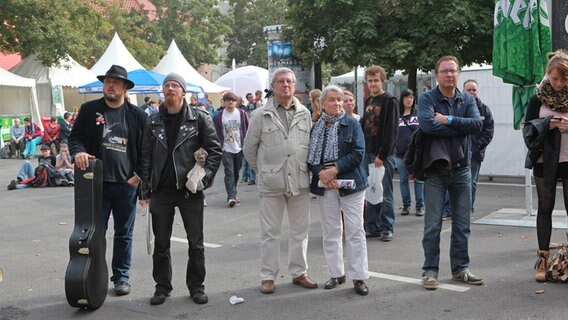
(556, 100)
(331, 150)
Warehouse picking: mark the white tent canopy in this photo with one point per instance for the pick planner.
(245, 79)
(174, 61)
(116, 53)
(68, 74)
(347, 81)
(18, 96)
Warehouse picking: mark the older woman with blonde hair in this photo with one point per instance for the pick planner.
(546, 137)
(337, 148)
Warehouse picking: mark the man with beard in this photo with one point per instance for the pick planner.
(111, 129)
(171, 138)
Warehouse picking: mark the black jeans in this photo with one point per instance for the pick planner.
(162, 208)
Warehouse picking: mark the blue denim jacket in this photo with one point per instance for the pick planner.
(350, 164)
(466, 120)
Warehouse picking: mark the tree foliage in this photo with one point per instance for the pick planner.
(197, 26)
(54, 28)
(51, 29)
(246, 42)
(396, 34)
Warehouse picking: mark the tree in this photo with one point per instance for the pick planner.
(396, 34)
(197, 26)
(247, 44)
(140, 35)
(51, 29)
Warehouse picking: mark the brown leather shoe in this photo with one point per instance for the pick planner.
(267, 286)
(305, 282)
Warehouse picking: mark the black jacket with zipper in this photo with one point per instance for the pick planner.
(196, 131)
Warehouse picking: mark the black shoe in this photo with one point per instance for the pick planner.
(12, 185)
(360, 287)
(199, 296)
(158, 298)
(121, 288)
(373, 235)
(334, 282)
(405, 211)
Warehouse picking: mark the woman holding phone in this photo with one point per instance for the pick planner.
(546, 136)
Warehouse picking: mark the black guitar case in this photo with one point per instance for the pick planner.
(86, 279)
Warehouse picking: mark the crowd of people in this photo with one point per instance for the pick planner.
(436, 142)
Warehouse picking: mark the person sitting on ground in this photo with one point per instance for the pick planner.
(64, 163)
(26, 174)
(32, 136)
(52, 135)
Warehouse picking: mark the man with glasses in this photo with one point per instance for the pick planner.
(447, 118)
(171, 138)
(276, 146)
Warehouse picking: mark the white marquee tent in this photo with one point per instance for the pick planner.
(245, 79)
(116, 53)
(18, 96)
(174, 61)
(69, 75)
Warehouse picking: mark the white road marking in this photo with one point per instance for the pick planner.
(205, 244)
(393, 277)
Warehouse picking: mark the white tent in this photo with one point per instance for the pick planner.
(174, 61)
(116, 53)
(18, 96)
(244, 80)
(68, 75)
(347, 81)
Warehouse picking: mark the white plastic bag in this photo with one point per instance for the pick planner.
(374, 192)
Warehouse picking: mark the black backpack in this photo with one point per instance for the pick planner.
(47, 175)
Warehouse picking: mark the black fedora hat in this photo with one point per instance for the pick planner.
(119, 72)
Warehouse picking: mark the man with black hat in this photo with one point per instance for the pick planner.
(111, 129)
(171, 138)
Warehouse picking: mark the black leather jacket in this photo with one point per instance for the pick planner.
(196, 131)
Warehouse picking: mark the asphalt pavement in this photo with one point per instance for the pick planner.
(35, 225)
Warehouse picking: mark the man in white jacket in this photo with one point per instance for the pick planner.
(276, 147)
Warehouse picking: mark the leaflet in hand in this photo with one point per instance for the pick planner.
(343, 184)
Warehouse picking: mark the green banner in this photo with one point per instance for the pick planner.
(6, 123)
(521, 42)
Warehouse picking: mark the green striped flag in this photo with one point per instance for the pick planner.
(521, 42)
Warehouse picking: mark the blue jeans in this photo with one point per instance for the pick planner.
(405, 187)
(458, 183)
(232, 163)
(475, 167)
(380, 217)
(30, 149)
(26, 171)
(120, 198)
(248, 172)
